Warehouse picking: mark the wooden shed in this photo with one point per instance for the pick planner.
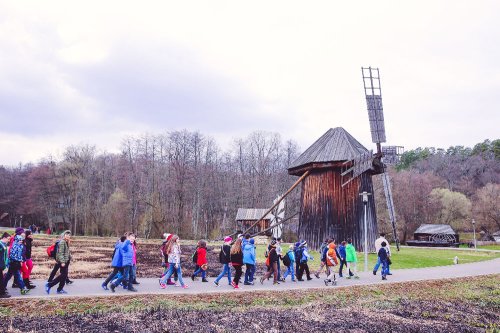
(329, 209)
(246, 217)
(434, 235)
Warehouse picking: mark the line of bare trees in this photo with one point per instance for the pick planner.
(184, 182)
(180, 181)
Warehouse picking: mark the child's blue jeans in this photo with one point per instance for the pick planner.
(225, 271)
(290, 271)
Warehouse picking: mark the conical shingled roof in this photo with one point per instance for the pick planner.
(333, 146)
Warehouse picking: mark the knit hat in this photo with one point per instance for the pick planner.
(297, 244)
(65, 232)
(228, 239)
(304, 243)
(19, 230)
(168, 236)
(273, 243)
(291, 247)
(252, 241)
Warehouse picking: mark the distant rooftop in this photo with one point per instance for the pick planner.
(435, 229)
(251, 214)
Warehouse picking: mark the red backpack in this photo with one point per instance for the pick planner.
(52, 250)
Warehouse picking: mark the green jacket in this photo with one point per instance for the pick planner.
(350, 253)
(63, 255)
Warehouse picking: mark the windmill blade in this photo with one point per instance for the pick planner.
(390, 205)
(373, 94)
(356, 167)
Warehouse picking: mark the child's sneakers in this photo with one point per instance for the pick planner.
(24, 291)
(104, 286)
(47, 288)
(275, 282)
(185, 286)
(62, 291)
(235, 286)
(327, 281)
(356, 277)
(163, 285)
(216, 283)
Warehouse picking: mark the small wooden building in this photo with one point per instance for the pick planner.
(245, 217)
(434, 235)
(329, 209)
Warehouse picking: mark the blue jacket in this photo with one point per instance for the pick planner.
(127, 253)
(117, 258)
(249, 254)
(17, 250)
(291, 255)
(382, 254)
(342, 251)
(323, 253)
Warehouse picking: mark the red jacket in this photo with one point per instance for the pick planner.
(202, 256)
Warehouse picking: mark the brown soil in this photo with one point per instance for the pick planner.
(91, 258)
(404, 317)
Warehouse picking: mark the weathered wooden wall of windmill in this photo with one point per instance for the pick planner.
(330, 210)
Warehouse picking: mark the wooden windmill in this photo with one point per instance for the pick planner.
(340, 168)
(334, 170)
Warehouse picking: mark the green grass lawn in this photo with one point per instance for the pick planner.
(407, 257)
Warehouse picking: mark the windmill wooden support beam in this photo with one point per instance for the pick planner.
(275, 204)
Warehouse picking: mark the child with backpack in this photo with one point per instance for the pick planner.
(236, 257)
(383, 257)
(323, 249)
(351, 259)
(16, 258)
(303, 266)
(331, 261)
(341, 258)
(225, 259)
(63, 257)
(289, 262)
(272, 264)
(200, 258)
(249, 261)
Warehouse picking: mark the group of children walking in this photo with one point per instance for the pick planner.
(15, 256)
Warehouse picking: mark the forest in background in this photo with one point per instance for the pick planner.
(183, 182)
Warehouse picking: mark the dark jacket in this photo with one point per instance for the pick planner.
(382, 254)
(342, 252)
(237, 258)
(4, 249)
(225, 257)
(273, 256)
(29, 243)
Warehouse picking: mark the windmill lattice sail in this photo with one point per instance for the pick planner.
(373, 94)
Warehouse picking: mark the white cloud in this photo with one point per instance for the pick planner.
(74, 71)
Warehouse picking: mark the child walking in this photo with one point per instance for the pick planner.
(383, 257)
(351, 259)
(237, 262)
(201, 260)
(249, 261)
(272, 258)
(291, 264)
(173, 249)
(331, 261)
(225, 259)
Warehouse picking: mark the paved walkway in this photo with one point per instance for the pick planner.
(92, 287)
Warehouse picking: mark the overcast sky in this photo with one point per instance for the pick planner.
(97, 71)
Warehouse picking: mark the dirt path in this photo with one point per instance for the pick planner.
(92, 287)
